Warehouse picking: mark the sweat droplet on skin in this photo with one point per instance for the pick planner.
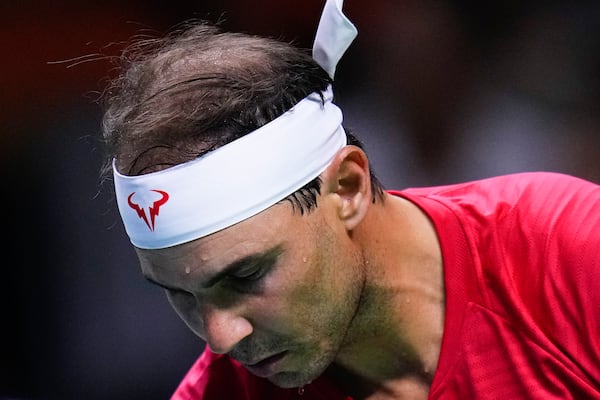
(187, 270)
(304, 259)
(301, 389)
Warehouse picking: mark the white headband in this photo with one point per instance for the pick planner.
(241, 179)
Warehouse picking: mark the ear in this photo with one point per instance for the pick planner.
(348, 179)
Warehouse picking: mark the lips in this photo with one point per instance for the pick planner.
(267, 366)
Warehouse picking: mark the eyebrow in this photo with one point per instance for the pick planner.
(162, 285)
(257, 258)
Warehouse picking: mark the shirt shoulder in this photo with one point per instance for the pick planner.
(535, 188)
(533, 254)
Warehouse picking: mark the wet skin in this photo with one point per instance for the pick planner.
(276, 292)
(354, 285)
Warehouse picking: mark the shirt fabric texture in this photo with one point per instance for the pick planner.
(521, 256)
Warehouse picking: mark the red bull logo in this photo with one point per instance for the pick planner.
(149, 214)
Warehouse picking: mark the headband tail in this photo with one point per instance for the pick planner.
(334, 35)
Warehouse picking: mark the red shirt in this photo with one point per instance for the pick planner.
(521, 260)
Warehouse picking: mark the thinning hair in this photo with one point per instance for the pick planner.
(199, 88)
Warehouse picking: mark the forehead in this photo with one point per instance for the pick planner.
(207, 256)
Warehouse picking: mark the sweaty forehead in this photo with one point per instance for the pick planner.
(207, 256)
(192, 271)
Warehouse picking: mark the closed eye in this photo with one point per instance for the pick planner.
(250, 277)
(251, 274)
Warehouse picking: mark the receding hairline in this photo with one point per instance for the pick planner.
(187, 76)
(207, 49)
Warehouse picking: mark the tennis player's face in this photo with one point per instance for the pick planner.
(276, 292)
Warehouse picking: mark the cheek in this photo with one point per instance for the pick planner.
(329, 286)
(296, 294)
(278, 308)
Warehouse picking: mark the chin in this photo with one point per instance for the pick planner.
(288, 380)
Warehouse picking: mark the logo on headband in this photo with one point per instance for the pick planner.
(152, 210)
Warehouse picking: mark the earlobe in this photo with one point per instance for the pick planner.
(348, 179)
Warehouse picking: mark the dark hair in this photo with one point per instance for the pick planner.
(200, 88)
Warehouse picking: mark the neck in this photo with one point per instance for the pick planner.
(396, 334)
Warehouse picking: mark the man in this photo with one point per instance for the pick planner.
(250, 204)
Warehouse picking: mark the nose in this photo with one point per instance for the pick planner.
(221, 327)
(223, 330)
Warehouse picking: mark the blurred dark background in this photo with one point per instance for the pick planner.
(439, 91)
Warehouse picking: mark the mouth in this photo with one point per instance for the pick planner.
(267, 366)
